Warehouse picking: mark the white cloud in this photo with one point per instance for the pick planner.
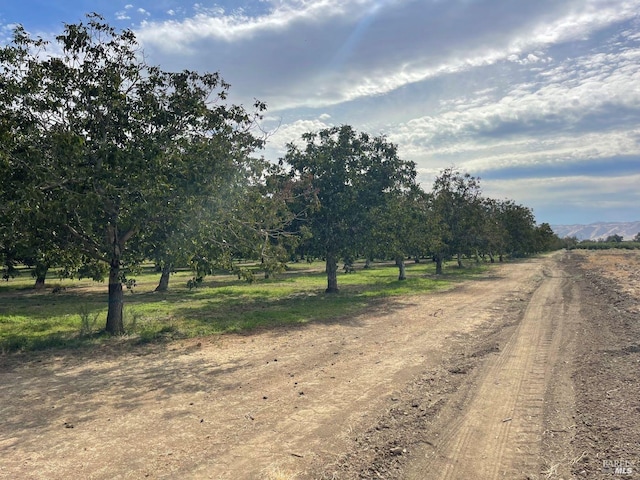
(572, 193)
(291, 133)
(6, 32)
(349, 49)
(550, 118)
(214, 24)
(494, 86)
(125, 14)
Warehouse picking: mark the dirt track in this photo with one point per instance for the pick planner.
(509, 376)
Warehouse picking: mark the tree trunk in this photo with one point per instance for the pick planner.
(41, 275)
(493, 260)
(438, 259)
(332, 273)
(163, 286)
(115, 323)
(459, 257)
(39, 283)
(367, 263)
(500, 258)
(402, 274)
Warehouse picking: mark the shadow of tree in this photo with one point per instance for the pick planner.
(55, 320)
(41, 393)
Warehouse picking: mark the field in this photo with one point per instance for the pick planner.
(71, 313)
(523, 370)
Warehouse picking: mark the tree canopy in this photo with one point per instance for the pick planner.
(350, 174)
(107, 147)
(107, 161)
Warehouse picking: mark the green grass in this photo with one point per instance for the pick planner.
(75, 315)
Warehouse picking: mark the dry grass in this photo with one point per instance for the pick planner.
(276, 472)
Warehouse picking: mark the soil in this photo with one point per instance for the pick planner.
(530, 372)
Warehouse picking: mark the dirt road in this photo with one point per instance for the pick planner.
(497, 434)
(495, 378)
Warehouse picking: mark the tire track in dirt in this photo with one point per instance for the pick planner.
(498, 434)
(264, 405)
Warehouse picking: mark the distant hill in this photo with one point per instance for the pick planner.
(596, 231)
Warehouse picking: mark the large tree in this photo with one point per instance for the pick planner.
(350, 174)
(196, 230)
(457, 210)
(401, 227)
(112, 145)
(519, 223)
(545, 239)
(494, 235)
(31, 230)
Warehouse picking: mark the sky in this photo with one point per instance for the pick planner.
(540, 99)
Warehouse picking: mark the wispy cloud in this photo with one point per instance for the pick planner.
(347, 50)
(581, 108)
(580, 198)
(526, 94)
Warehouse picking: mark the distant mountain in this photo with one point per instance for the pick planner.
(596, 231)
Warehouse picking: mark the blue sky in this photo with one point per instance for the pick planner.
(541, 99)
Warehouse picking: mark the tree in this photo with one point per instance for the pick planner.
(494, 233)
(569, 242)
(198, 228)
(111, 144)
(31, 224)
(519, 224)
(349, 174)
(545, 239)
(270, 210)
(400, 227)
(259, 221)
(457, 208)
(637, 237)
(614, 238)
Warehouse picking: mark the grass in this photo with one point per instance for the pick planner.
(74, 315)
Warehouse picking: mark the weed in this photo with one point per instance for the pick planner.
(194, 282)
(275, 472)
(131, 318)
(88, 320)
